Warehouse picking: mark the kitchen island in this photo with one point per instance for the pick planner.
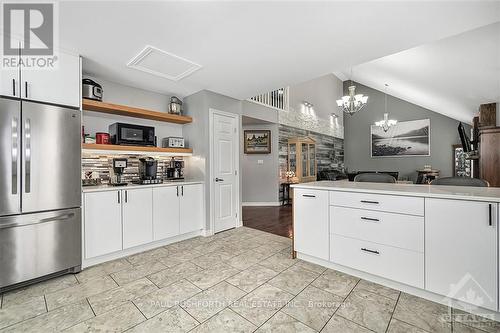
(436, 242)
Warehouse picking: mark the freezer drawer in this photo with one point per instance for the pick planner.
(35, 245)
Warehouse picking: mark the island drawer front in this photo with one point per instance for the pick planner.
(382, 202)
(393, 263)
(404, 231)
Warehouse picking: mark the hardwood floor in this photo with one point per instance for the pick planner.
(276, 220)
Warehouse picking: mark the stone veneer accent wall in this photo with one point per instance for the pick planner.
(329, 149)
(311, 123)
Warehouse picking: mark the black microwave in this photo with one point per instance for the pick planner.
(130, 134)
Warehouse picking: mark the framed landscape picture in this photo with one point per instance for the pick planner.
(406, 138)
(257, 141)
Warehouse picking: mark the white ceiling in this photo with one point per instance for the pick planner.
(452, 76)
(250, 47)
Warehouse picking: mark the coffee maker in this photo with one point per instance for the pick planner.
(147, 171)
(116, 171)
(175, 169)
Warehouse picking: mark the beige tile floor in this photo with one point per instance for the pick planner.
(242, 280)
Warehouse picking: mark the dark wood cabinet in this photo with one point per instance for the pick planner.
(489, 155)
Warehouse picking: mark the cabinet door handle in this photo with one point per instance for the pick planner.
(308, 195)
(490, 214)
(26, 89)
(177, 190)
(13, 87)
(182, 190)
(370, 202)
(118, 192)
(370, 219)
(370, 251)
(126, 196)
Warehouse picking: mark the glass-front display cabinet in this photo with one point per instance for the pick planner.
(302, 158)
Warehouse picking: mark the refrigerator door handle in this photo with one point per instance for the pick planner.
(27, 156)
(15, 153)
(32, 221)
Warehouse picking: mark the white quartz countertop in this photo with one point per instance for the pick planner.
(101, 188)
(428, 191)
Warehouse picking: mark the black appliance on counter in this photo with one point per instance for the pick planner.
(130, 134)
(175, 169)
(148, 171)
(116, 171)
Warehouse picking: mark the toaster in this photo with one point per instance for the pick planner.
(173, 142)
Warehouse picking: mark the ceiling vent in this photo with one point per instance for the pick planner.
(161, 63)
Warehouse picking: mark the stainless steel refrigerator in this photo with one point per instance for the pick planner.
(40, 193)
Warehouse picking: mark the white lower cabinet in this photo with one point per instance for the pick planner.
(165, 212)
(191, 208)
(122, 219)
(310, 210)
(461, 250)
(177, 210)
(103, 223)
(137, 217)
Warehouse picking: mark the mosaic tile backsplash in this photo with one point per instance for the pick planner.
(101, 164)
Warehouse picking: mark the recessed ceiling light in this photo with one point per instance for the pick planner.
(161, 63)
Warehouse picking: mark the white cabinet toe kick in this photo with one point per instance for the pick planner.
(440, 248)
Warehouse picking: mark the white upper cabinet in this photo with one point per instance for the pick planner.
(165, 212)
(137, 217)
(103, 223)
(58, 85)
(461, 250)
(311, 234)
(192, 208)
(10, 78)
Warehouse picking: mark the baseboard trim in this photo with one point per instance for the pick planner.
(254, 204)
(207, 233)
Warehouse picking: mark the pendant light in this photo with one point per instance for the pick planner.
(353, 102)
(386, 123)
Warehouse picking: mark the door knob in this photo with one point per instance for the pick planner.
(219, 180)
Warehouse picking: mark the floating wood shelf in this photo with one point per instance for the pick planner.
(129, 111)
(136, 150)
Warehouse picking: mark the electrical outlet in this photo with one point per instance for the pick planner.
(260, 161)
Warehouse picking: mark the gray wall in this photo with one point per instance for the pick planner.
(357, 136)
(261, 181)
(258, 111)
(197, 136)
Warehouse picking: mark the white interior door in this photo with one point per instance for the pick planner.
(224, 175)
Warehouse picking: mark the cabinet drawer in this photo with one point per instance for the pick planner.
(396, 264)
(382, 202)
(404, 231)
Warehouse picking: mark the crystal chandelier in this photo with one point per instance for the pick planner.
(386, 123)
(353, 102)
